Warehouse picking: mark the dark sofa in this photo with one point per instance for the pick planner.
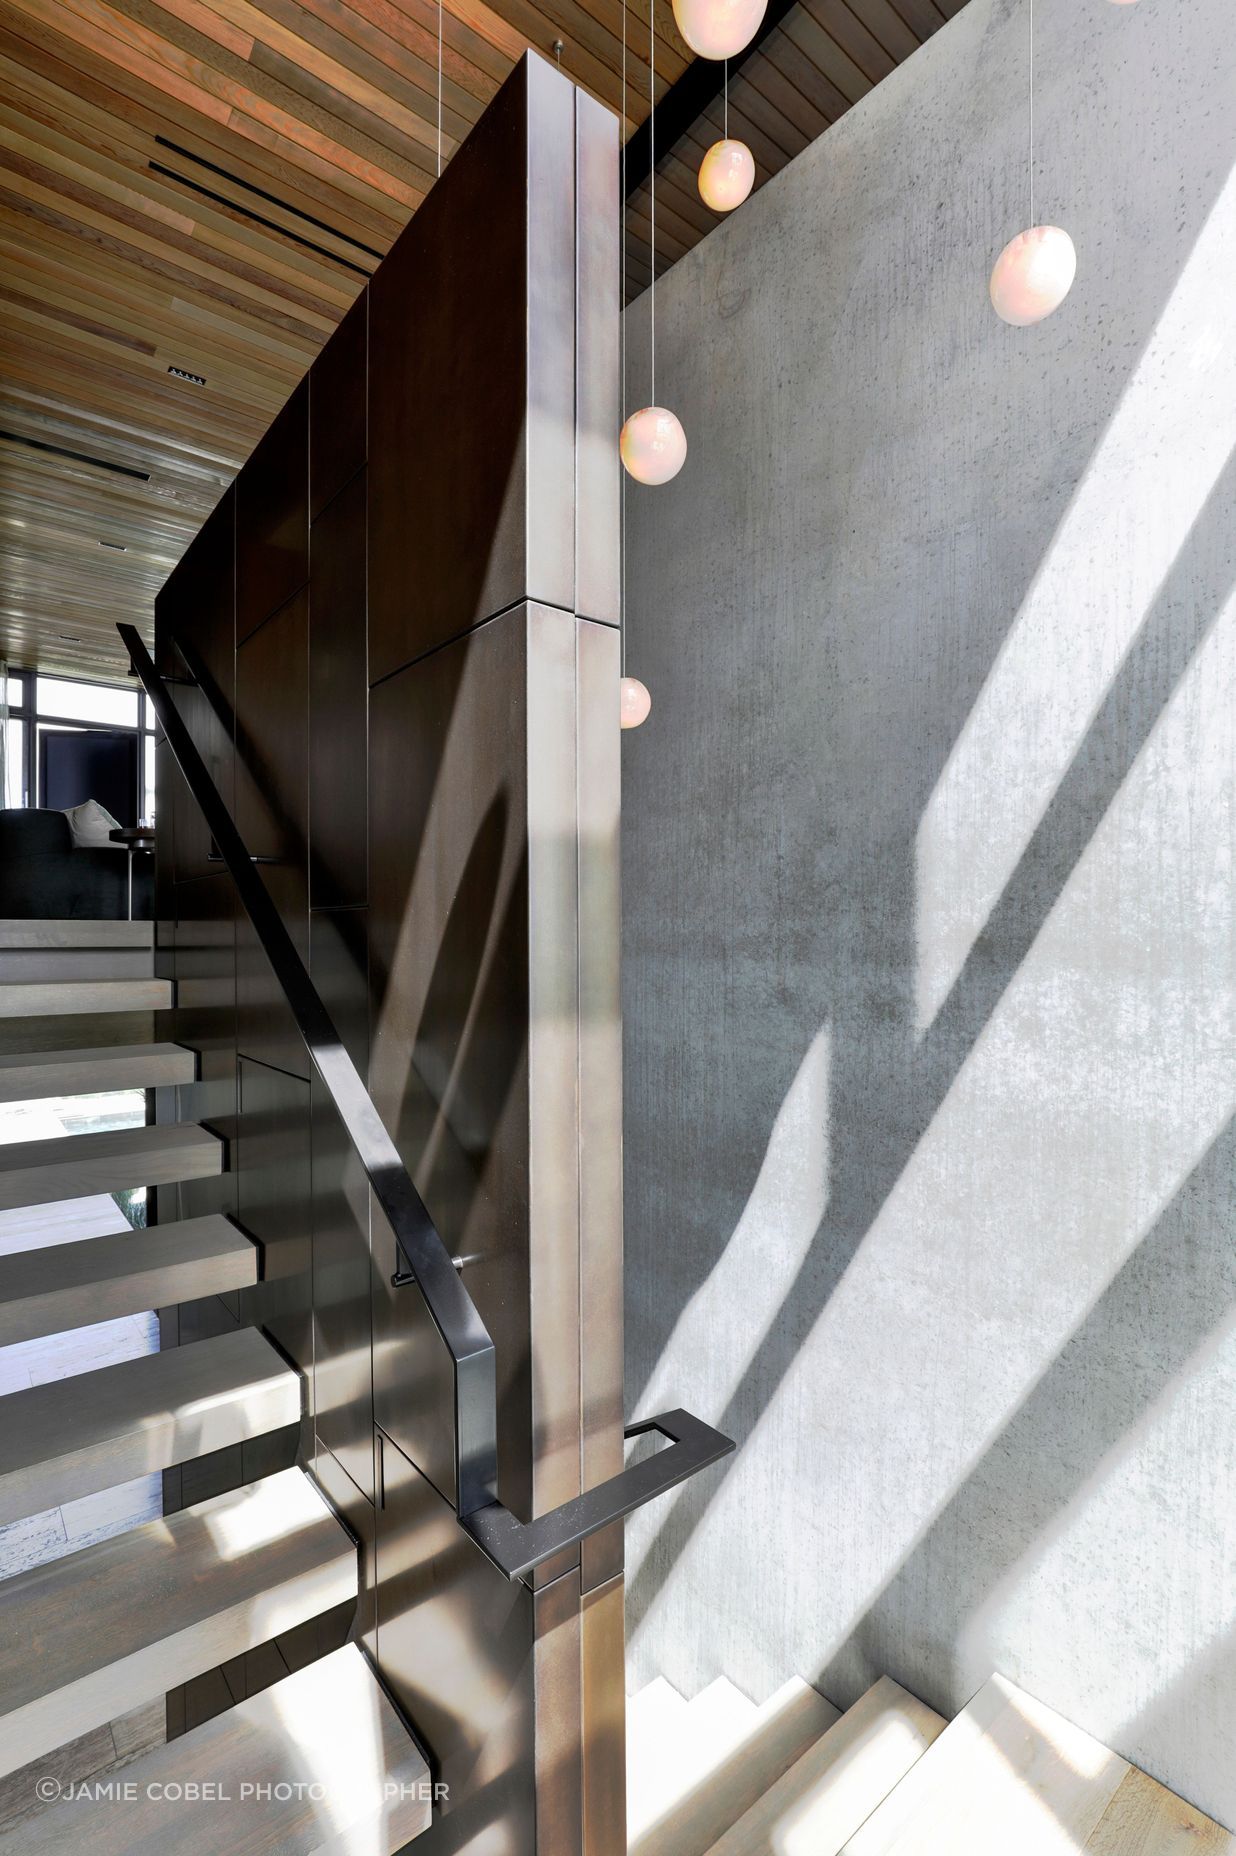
(44, 876)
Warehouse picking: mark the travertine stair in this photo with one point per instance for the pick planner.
(330, 1720)
(321, 1761)
(96, 1430)
(62, 1286)
(1008, 1777)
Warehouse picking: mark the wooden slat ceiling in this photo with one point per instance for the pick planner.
(823, 57)
(204, 185)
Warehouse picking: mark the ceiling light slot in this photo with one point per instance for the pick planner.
(260, 193)
(78, 457)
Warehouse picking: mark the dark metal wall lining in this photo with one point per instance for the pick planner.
(408, 606)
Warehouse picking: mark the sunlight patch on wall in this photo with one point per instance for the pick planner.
(1153, 470)
(1111, 1050)
(1135, 1494)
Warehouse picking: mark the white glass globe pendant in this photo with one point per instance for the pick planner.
(652, 443)
(727, 175)
(1033, 275)
(718, 28)
(634, 702)
(727, 172)
(1035, 271)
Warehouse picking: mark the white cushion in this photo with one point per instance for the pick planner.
(90, 823)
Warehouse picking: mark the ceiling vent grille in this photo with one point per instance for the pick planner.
(260, 193)
(78, 457)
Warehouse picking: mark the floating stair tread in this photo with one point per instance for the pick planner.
(74, 1165)
(27, 1076)
(55, 998)
(834, 1788)
(74, 1436)
(329, 1726)
(74, 1285)
(121, 1622)
(45, 935)
(1008, 1774)
(714, 1781)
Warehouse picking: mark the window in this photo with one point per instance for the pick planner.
(86, 702)
(39, 702)
(14, 763)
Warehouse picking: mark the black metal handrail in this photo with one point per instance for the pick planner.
(513, 1545)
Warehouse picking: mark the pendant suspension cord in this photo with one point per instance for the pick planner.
(622, 341)
(652, 187)
(1031, 69)
(439, 89)
(727, 99)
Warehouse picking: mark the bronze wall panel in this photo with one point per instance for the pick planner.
(272, 812)
(360, 1514)
(274, 1196)
(272, 517)
(342, 1293)
(474, 401)
(425, 740)
(456, 1643)
(600, 1083)
(598, 400)
(204, 1019)
(338, 408)
(198, 604)
(448, 886)
(603, 1660)
(338, 700)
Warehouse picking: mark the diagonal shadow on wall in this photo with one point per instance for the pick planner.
(1175, 1289)
(865, 1169)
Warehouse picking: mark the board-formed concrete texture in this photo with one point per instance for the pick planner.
(930, 975)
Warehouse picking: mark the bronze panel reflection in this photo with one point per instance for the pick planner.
(198, 604)
(343, 1327)
(471, 493)
(338, 701)
(456, 1643)
(338, 408)
(272, 813)
(273, 1193)
(449, 988)
(204, 1019)
(272, 517)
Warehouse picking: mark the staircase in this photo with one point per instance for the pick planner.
(1008, 1777)
(319, 1760)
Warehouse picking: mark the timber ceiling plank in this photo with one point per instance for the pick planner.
(192, 192)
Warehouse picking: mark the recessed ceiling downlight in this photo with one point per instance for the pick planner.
(182, 373)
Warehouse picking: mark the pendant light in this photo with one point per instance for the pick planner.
(1035, 271)
(634, 703)
(631, 704)
(652, 444)
(718, 28)
(727, 172)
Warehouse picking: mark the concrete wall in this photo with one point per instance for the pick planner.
(930, 929)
